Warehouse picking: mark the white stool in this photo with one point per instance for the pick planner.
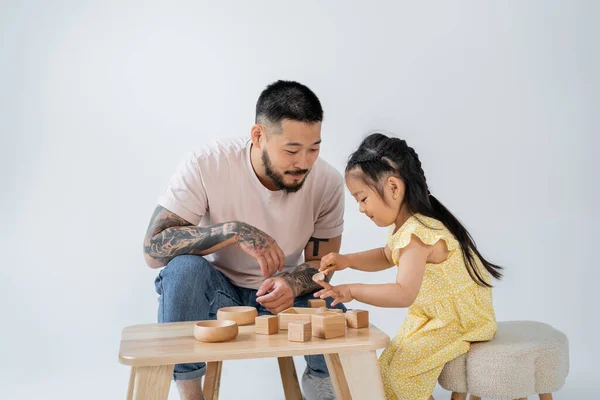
(524, 358)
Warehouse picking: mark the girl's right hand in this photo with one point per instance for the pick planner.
(334, 262)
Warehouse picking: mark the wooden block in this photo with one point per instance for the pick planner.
(295, 314)
(299, 331)
(357, 318)
(327, 325)
(266, 324)
(335, 310)
(317, 303)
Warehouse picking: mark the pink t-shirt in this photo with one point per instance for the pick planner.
(217, 184)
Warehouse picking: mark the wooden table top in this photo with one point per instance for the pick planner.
(174, 343)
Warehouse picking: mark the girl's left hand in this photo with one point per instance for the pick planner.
(339, 293)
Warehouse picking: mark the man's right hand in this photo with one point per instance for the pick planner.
(261, 247)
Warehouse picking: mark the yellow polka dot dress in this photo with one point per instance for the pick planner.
(450, 312)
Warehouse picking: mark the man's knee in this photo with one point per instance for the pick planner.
(186, 273)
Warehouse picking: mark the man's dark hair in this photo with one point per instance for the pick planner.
(288, 100)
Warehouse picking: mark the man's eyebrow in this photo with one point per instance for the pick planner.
(296, 144)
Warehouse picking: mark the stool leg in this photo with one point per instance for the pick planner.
(474, 397)
(289, 378)
(458, 396)
(546, 396)
(212, 380)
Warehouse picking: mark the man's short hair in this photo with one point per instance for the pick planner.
(288, 100)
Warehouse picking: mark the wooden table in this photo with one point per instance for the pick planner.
(152, 350)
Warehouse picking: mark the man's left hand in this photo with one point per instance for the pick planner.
(275, 294)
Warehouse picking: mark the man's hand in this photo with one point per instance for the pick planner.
(275, 294)
(261, 247)
(339, 293)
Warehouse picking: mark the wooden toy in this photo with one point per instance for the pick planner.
(215, 331)
(299, 331)
(357, 318)
(317, 303)
(319, 276)
(327, 325)
(266, 324)
(295, 314)
(241, 315)
(325, 309)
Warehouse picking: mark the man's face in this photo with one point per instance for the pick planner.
(289, 155)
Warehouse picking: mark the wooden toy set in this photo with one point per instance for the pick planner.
(302, 323)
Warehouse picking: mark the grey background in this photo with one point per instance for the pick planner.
(100, 100)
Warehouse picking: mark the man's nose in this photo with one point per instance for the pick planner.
(303, 162)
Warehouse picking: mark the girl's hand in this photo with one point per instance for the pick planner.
(339, 293)
(334, 262)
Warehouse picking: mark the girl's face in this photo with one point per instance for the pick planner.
(383, 212)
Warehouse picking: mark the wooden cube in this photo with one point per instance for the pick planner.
(299, 331)
(295, 314)
(335, 310)
(266, 324)
(357, 318)
(327, 325)
(317, 303)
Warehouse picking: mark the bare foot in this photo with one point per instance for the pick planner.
(190, 390)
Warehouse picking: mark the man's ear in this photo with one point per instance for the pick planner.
(256, 134)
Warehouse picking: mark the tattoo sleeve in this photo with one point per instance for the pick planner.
(169, 235)
(316, 242)
(300, 279)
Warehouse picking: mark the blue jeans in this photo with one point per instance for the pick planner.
(191, 289)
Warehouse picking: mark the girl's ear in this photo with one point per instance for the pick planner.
(395, 186)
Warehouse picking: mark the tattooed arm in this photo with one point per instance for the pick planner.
(278, 293)
(169, 235)
(300, 279)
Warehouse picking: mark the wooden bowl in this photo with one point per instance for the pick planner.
(242, 315)
(215, 331)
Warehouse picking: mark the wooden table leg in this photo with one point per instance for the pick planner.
(289, 378)
(545, 396)
(131, 384)
(363, 376)
(471, 397)
(212, 380)
(338, 378)
(150, 383)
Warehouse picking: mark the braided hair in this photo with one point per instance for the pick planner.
(379, 157)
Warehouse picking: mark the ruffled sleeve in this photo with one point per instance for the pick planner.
(428, 230)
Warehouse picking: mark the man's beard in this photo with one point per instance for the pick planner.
(277, 178)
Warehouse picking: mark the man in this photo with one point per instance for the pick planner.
(238, 219)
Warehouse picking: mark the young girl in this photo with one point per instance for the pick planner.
(442, 278)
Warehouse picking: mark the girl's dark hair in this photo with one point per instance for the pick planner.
(379, 157)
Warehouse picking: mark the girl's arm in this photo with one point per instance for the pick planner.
(370, 261)
(402, 293)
